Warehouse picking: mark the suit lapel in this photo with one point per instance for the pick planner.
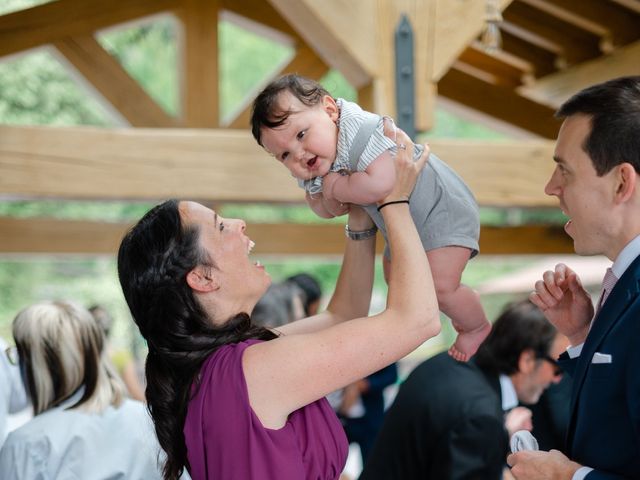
(625, 291)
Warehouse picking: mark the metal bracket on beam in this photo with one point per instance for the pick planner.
(405, 77)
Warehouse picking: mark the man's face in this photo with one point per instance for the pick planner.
(584, 197)
(539, 373)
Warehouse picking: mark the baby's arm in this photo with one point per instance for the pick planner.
(362, 188)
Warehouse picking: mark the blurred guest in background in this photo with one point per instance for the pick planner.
(83, 426)
(121, 358)
(13, 398)
(448, 421)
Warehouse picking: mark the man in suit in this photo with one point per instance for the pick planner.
(596, 179)
(448, 420)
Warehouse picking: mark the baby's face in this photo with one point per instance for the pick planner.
(306, 142)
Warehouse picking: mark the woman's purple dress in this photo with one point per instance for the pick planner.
(225, 440)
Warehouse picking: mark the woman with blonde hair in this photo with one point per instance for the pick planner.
(83, 427)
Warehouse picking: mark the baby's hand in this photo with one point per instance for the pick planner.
(328, 184)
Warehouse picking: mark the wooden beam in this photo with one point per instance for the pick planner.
(555, 89)
(460, 85)
(528, 239)
(50, 236)
(340, 31)
(137, 164)
(457, 24)
(111, 81)
(499, 66)
(305, 62)
(541, 60)
(633, 5)
(260, 12)
(227, 165)
(381, 91)
(606, 19)
(56, 20)
(199, 63)
(573, 43)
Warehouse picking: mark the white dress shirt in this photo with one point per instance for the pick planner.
(508, 393)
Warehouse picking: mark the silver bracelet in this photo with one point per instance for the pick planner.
(360, 235)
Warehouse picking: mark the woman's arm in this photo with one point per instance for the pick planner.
(294, 370)
(352, 295)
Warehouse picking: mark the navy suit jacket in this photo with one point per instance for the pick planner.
(604, 429)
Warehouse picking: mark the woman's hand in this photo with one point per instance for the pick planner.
(358, 219)
(407, 170)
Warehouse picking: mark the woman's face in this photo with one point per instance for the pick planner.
(240, 281)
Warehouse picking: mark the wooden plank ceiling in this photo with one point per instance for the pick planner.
(549, 50)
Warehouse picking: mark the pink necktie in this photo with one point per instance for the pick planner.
(608, 283)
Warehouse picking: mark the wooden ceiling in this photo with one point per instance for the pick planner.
(550, 49)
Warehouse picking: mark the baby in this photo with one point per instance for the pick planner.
(340, 154)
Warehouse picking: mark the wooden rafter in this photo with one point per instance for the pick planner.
(199, 63)
(606, 19)
(117, 87)
(554, 89)
(541, 60)
(504, 69)
(45, 235)
(573, 43)
(457, 24)
(342, 41)
(460, 85)
(260, 12)
(54, 21)
(227, 165)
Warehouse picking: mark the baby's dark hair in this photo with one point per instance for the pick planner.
(265, 112)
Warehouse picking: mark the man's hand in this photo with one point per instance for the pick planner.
(564, 301)
(536, 465)
(517, 419)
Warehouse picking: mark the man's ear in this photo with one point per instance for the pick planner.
(331, 107)
(526, 361)
(201, 279)
(626, 179)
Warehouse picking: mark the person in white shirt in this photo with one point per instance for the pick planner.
(13, 398)
(83, 427)
(597, 180)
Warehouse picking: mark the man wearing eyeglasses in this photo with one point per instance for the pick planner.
(449, 419)
(12, 394)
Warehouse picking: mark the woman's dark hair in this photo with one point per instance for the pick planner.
(614, 108)
(266, 112)
(154, 259)
(521, 326)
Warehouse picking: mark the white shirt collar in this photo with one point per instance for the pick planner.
(626, 256)
(509, 396)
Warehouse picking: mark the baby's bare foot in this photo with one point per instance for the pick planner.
(467, 343)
